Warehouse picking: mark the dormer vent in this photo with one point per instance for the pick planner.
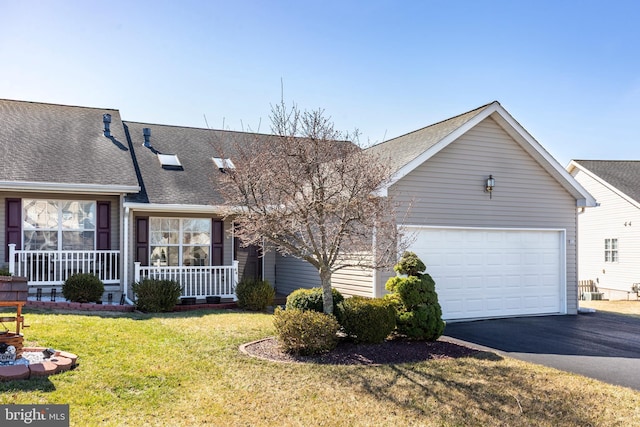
(106, 119)
(146, 132)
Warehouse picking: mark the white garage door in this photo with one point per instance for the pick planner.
(482, 273)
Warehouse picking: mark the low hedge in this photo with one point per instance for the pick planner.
(254, 294)
(156, 296)
(367, 320)
(305, 332)
(83, 287)
(311, 299)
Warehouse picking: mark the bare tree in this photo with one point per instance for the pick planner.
(312, 193)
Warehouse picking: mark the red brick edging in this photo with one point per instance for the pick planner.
(80, 306)
(61, 361)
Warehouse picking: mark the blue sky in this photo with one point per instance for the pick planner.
(568, 71)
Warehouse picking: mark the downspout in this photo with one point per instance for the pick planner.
(374, 271)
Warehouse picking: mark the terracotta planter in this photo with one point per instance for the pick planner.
(13, 288)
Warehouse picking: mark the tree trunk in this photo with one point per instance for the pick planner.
(327, 296)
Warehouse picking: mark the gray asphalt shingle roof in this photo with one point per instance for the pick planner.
(196, 183)
(398, 152)
(622, 174)
(49, 143)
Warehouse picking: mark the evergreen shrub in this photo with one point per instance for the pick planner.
(254, 294)
(305, 332)
(156, 296)
(83, 287)
(367, 320)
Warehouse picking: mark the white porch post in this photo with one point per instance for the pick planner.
(12, 258)
(236, 267)
(136, 274)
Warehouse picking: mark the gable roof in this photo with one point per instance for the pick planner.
(194, 185)
(49, 147)
(622, 176)
(409, 151)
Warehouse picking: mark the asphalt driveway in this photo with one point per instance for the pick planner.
(600, 345)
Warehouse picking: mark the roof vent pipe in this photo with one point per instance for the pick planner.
(106, 119)
(146, 132)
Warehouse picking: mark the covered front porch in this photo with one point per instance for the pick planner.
(49, 270)
(197, 282)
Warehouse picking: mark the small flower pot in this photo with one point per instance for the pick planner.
(189, 301)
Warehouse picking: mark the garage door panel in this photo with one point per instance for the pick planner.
(492, 273)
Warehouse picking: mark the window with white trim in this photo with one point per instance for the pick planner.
(180, 241)
(50, 225)
(610, 250)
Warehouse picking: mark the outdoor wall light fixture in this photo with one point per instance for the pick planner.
(491, 182)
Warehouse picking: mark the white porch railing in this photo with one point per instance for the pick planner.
(54, 267)
(198, 281)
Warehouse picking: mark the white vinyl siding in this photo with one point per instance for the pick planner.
(448, 190)
(616, 217)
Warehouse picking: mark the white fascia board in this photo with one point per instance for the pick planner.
(573, 165)
(434, 149)
(57, 187)
(529, 143)
(179, 208)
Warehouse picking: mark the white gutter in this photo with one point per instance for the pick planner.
(179, 208)
(57, 187)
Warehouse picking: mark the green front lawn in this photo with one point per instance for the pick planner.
(185, 369)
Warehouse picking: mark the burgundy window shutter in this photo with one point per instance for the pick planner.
(13, 224)
(142, 240)
(217, 243)
(103, 226)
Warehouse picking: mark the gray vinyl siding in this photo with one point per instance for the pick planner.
(615, 218)
(115, 213)
(448, 190)
(294, 273)
(269, 266)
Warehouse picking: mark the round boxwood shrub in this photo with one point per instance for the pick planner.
(254, 294)
(83, 287)
(156, 296)
(367, 320)
(311, 299)
(305, 332)
(421, 323)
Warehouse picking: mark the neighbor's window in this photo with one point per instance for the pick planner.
(59, 225)
(180, 241)
(610, 250)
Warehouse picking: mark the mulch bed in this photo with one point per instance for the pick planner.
(348, 353)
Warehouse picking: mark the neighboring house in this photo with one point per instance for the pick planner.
(511, 251)
(609, 236)
(508, 252)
